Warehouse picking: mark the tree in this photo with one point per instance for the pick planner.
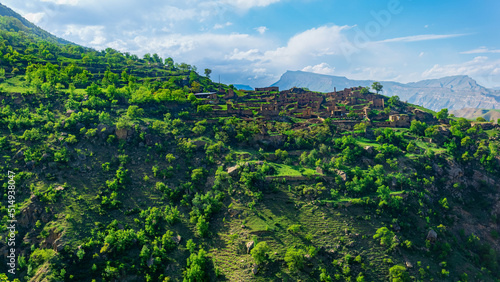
(398, 273)
(442, 114)
(360, 126)
(365, 90)
(481, 119)
(394, 100)
(377, 86)
(208, 72)
(259, 252)
(202, 226)
(134, 112)
(418, 127)
(294, 258)
(386, 236)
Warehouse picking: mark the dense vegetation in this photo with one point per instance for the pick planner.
(120, 176)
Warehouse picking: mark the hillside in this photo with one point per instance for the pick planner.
(11, 20)
(469, 113)
(455, 92)
(120, 168)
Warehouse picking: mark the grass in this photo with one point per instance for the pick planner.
(320, 226)
(287, 170)
(15, 84)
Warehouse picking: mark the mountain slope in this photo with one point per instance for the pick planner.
(10, 20)
(113, 170)
(453, 92)
(471, 113)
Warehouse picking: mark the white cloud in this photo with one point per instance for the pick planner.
(421, 54)
(315, 42)
(34, 17)
(322, 68)
(248, 4)
(481, 50)
(423, 37)
(250, 55)
(261, 29)
(93, 34)
(63, 2)
(220, 26)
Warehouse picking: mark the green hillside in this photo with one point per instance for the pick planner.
(120, 168)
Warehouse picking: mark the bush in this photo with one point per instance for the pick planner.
(294, 228)
(398, 273)
(294, 258)
(196, 264)
(386, 236)
(202, 226)
(259, 252)
(134, 112)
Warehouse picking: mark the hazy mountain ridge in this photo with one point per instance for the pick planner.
(453, 92)
(470, 113)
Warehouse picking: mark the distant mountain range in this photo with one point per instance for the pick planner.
(243, 87)
(453, 92)
(470, 113)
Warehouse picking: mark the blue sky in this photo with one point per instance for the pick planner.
(255, 41)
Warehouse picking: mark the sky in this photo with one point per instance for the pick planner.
(254, 42)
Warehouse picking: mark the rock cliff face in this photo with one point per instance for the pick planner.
(454, 92)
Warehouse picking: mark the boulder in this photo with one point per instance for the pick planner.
(369, 149)
(19, 154)
(319, 170)
(342, 174)
(432, 235)
(232, 171)
(177, 239)
(409, 264)
(255, 269)
(250, 246)
(121, 133)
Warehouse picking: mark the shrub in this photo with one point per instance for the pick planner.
(202, 226)
(386, 236)
(294, 228)
(196, 264)
(294, 258)
(398, 273)
(259, 252)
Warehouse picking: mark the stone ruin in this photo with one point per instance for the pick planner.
(269, 102)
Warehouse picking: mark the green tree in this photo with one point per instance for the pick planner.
(294, 258)
(418, 127)
(202, 226)
(481, 119)
(364, 90)
(208, 72)
(259, 252)
(360, 126)
(385, 235)
(398, 273)
(442, 114)
(394, 100)
(377, 86)
(134, 112)
(196, 266)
